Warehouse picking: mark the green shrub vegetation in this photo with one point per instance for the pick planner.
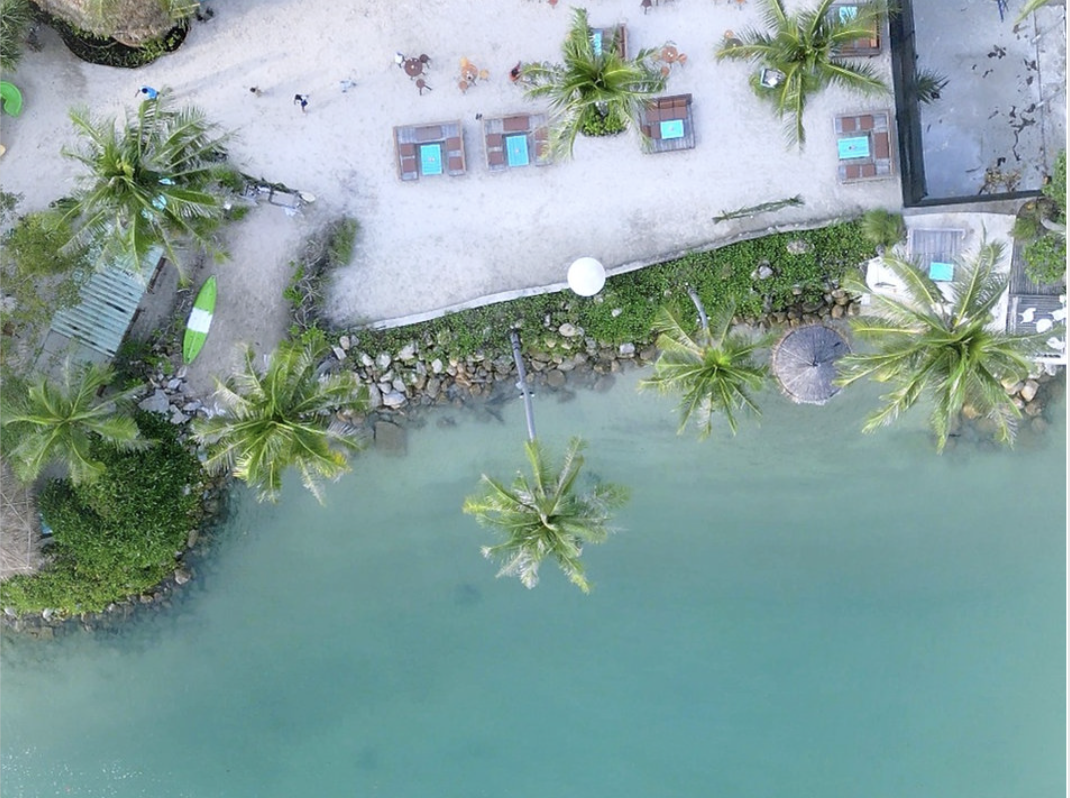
(328, 250)
(1045, 259)
(627, 306)
(15, 19)
(1042, 225)
(119, 535)
(39, 275)
(596, 123)
(883, 228)
(1055, 189)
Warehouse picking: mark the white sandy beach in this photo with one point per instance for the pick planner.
(444, 241)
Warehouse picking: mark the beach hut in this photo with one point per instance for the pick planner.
(804, 361)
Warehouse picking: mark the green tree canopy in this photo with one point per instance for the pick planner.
(924, 345)
(804, 47)
(590, 86)
(545, 516)
(712, 368)
(57, 423)
(281, 417)
(154, 180)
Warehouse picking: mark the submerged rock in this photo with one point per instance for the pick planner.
(390, 437)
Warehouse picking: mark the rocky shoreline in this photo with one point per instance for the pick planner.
(404, 384)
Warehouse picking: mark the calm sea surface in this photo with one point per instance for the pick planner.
(799, 611)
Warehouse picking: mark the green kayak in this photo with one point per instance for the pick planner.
(200, 319)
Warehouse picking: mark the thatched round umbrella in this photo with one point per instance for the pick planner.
(804, 363)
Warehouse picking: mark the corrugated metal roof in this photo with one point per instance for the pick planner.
(109, 300)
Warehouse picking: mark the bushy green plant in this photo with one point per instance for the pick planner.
(119, 535)
(883, 228)
(597, 124)
(15, 19)
(341, 239)
(1027, 226)
(1045, 259)
(324, 252)
(1055, 188)
(39, 276)
(35, 246)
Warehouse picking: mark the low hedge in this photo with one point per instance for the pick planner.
(120, 535)
(625, 309)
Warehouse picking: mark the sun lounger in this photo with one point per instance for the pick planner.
(667, 124)
(429, 150)
(517, 141)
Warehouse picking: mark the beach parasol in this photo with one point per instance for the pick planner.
(804, 363)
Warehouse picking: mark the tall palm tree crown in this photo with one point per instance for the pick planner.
(712, 368)
(54, 423)
(546, 517)
(803, 47)
(279, 417)
(152, 181)
(590, 86)
(925, 345)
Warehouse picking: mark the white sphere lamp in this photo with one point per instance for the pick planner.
(586, 276)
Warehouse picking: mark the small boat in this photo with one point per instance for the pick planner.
(200, 319)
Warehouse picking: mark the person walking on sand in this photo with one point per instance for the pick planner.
(302, 100)
(149, 92)
(255, 90)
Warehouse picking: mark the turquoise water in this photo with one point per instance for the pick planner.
(800, 611)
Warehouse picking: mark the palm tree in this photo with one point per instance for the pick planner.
(55, 422)
(592, 89)
(545, 517)
(713, 368)
(803, 49)
(926, 345)
(152, 182)
(1029, 7)
(280, 417)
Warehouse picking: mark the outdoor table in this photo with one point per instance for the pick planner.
(941, 272)
(516, 149)
(854, 147)
(413, 67)
(431, 159)
(672, 129)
